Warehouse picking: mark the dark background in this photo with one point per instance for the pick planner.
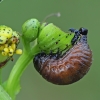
(74, 13)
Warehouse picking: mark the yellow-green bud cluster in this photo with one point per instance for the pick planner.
(9, 40)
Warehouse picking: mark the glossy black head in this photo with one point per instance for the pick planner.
(83, 31)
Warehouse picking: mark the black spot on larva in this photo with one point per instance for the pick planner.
(66, 36)
(59, 34)
(4, 29)
(56, 42)
(66, 45)
(33, 20)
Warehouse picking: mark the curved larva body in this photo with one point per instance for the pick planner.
(68, 69)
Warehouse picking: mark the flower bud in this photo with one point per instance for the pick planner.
(30, 29)
(5, 33)
(9, 40)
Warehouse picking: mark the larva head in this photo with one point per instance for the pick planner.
(30, 29)
(5, 33)
(51, 38)
(83, 31)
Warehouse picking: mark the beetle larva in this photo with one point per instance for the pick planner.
(68, 68)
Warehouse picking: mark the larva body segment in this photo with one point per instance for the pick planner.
(69, 68)
(51, 37)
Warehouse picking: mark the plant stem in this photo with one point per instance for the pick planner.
(18, 69)
(26, 44)
(3, 94)
(0, 76)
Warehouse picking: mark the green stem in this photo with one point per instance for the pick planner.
(18, 69)
(4, 95)
(26, 44)
(0, 76)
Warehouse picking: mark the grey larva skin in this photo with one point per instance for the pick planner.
(68, 69)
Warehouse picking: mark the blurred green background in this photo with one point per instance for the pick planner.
(74, 13)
